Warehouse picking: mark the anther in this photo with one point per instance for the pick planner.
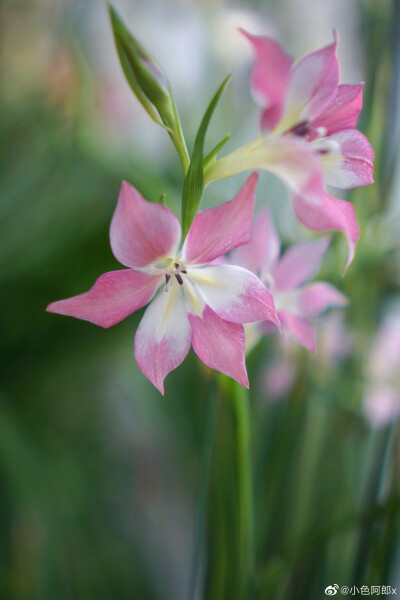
(301, 129)
(176, 265)
(179, 279)
(167, 278)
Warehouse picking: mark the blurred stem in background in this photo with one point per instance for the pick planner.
(241, 408)
(209, 428)
(230, 555)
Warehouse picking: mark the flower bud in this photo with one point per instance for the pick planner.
(144, 75)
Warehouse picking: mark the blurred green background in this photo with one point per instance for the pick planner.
(98, 473)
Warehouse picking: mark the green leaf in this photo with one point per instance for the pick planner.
(213, 154)
(193, 187)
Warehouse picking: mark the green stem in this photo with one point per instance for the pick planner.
(206, 455)
(373, 487)
(241, 406)
(180, 145)
(178, 139)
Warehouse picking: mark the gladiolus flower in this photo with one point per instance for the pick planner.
(296, 300)
(308, 137)
(194, 301)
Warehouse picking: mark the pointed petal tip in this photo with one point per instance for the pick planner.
(246, 34)
(336, 37)
(349, 261)
(160, 388)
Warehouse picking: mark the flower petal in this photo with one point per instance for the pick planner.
(312, 87)
(299, 264)
(381, 404)
(234, 293)
(302, 331)
(218, 230)
(288, 157)
(314, 299)
(261, 253)
(163, 337)
(351, 162)
(269, 77)
(321, 212)
(141, 232)
(292, 160)
(114, 296)
(219, 344)
(343, 111)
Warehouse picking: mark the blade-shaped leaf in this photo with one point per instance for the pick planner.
(193, 187)
(213, 154)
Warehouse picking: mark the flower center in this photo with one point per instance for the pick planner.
(326, 146)
(301, 129)
(176, 270)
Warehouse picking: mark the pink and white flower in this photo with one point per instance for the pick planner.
(287, 278)
(194, 301)
(382, 398)
(308, 137)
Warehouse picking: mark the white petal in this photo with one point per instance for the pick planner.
(234, 293)
(163, 337)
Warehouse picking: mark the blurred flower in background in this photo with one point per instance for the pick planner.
(382, 396)
(287, 276)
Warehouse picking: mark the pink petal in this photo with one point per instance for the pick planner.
(314, 299)
(343, 111)
(163, 337)
(114, 296)
(289, 157)
(381, 404)
(279, 377)
(234, 293)
(313, 84)
(321, 212)
(218, 230)
(269, 77)
(299, 264)
(262, 252)
(302, 331)
(354, 162)
(219, 344)
(142, 232)
(293, 161)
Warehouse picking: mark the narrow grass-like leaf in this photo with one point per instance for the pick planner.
(213, 154)
(193, 187)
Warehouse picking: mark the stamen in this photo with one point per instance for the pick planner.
(167, 278)
(179, 279)
(184, 271)
(326, 146)
(301, 129)
(176, 265)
